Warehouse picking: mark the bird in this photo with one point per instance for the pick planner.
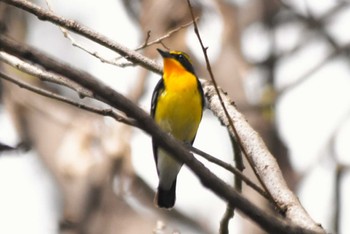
(177, 107)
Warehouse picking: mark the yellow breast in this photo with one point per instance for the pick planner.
(179, 108)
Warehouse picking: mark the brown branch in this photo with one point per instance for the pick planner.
(338, 192)
(230, 126)
(113, 114)
(250, 139)
(165, 36)
(46, 76)
(87, 49)
(229, 168)
(229, 212)
(160, 39)
(228, 215)
(264, 162)
(74, 26)
(102, 92)
(230, 122)
(104, 112)
(267, 170)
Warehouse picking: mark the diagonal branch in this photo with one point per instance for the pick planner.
(15, 62)
(104, 112)
(264, 162)
(230, 168)
(268, 222)
(256, 149)
(46, 76)
(230, 126)
(82, 30)
(165, 36)
(266, 169)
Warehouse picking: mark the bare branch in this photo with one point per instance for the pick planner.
(46, 76)
(108, 112)
(102, 92)
(114, 60)
(230, 126)
(229, 168)
(263, 160)
(340, 171)
(267, 170)
(167, 35)
(104, 112)
(229, 212)
(85, 48)
(73, 26)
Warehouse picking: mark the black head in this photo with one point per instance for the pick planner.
(181, 57)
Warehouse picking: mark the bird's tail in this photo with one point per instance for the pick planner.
(166, 198)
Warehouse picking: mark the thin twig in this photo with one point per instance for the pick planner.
(160, 39)
(114, 61)
(33, 70)
(165, 36)
(230, 122)
(104, 112)
(257, 149)
(224, 223)
(230, 168)
(148, 36)
(74, 43)
(108, 112)
(265, 163)
(229, 212)
(267, 221)
(73, 26)
(6, 148)
(46, 76)
(338, 192)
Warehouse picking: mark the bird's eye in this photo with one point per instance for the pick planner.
(180, 56)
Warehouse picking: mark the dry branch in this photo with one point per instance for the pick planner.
(46, 76)
(264, 162)
(21, 51)
(104, 112)
(102, 92)
(267, 169)
(74, 26)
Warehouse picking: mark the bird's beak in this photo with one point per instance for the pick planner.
(164, 54)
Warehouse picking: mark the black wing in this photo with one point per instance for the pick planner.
(157, 90)
(200, 89)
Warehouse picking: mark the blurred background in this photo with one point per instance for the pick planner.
(284, 63)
